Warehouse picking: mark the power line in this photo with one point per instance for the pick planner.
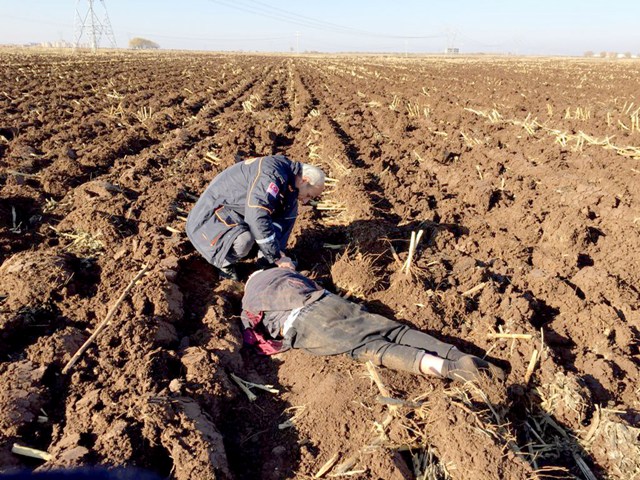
(151, 34)
(83, 24)
(42, 22)
(287, 19)
(482, 44)
(268, 11)
(320, 23)
(210, 39)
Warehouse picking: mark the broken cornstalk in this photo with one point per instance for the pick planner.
(105, 322)
(31, 452)
(246, 386)
(327, 466)
(413, 245)
(373, 373)
(531, 367)
(519, 336)
(475, 289)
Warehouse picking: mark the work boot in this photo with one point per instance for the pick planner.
(454, 354)
(469, 367)
(228, 272)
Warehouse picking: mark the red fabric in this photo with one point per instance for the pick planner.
(255, 319)
(256, 339)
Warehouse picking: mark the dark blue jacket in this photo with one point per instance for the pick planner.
(269, 297)
(279, 289)
(259, 195)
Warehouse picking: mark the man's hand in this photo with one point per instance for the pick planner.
(285, 262)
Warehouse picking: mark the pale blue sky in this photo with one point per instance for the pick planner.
(545, 27)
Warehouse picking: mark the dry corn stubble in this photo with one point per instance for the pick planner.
(355, 273)
(82, 243)
(532, 158)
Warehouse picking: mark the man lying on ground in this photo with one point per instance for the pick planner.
(297, 313)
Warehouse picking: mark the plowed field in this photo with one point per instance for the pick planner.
(521, 174)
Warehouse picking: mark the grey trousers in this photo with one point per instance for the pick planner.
(332, 325)
(240, 248)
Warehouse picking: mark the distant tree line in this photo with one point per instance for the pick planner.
(142, 44)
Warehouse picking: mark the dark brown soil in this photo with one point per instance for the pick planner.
(521, 175)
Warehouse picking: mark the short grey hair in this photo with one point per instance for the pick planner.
(314, 174)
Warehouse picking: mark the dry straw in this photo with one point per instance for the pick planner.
(579, 139)
(31, 452)
(355, 273)
(246, 387)
(83, 243)
(413, 245)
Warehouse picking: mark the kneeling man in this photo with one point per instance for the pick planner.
(254, 201)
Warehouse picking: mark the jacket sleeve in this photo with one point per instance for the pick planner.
(284, 224)
(262, 199)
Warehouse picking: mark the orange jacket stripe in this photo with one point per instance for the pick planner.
(253, 185)
(221, 219)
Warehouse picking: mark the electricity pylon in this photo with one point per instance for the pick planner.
(451, 39)
(87, 21)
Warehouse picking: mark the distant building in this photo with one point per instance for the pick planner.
(452, 51)
(58, 44)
